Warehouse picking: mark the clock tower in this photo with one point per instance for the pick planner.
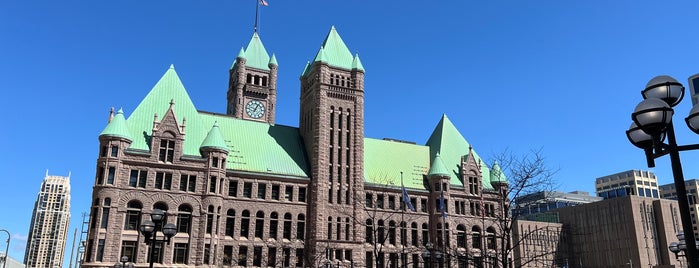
(332, 127)
(252, 87)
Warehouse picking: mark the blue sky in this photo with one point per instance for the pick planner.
(563, 76)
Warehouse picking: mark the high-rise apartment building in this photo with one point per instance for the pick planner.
(49, 226)
(245, 191)
(630, 182)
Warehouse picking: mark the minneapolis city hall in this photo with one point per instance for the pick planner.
(243, 191)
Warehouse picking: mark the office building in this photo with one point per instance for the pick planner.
(530, 205)
(247, 192)
(668, 191)
(48, 229)
(631, 182)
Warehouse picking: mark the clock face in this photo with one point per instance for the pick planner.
(255, 109)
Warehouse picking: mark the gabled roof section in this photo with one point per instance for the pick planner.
(336, 52)
(168, 88)
(256, 54)
(214, 139)
(437, 167)
(117, 127)
(496, 174)
(451, 145)
(385, 160)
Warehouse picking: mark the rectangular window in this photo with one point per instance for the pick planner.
(369, 201)
(168, 181)
(243, 256)
(391, 202)
(247, 190)
(167, 151)
(289, 193)
(192, 187)
(181, 253)
(214, 161)
(302, 194)
(184, 178)
(100, 249)
(207, 253)
(105, 218)
(232, 188)
(129, 249)
(110, 177)
(261, 190)
(275, 192)
(227, 255)
(159, 177)
(138, 178)
(379, 201)
(286, 254)
(423, 205)
(103, 151)
(257, 256)
(212, 184)
(272, 257)
(100, 175)
(115, 151)
(299, 257)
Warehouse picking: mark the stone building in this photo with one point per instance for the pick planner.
(48, 230)
(668, 191)
(244, 191)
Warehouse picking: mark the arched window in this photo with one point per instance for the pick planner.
(403, 234)
(330, 228)
(392, 233)
(105, 213)
(259, 224)
(338, 228)
(167, 150)
(414, 234)
(287, 226)
(425, 234)
(245, 224)
(476, 237)
(300, 227)
(490, 240)
(184, 218)
(461, 236)
(133, 215)
(230, 222)
(381, 233)
(347, 229)
(369, 231)
(273, 225)
(210, 219)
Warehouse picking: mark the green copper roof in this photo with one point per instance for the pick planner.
(451, 145)
(320, 56)
(256, 54)
(117, 127)
(214, 139)
(357, 64)
(336, 52)
(496, 174)
(385, 160)
(273, 60)
(306, 68)
(437, 168)
(253, 146)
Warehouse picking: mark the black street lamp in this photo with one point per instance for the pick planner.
(150, 231)
(7, 249)
(652, 123)
(680, 247)
(124, 263)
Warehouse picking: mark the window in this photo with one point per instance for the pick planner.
(138, 178)
(214, 161)
(157, 253)
(103, 151)
(272, 257)
(391, 202)
(100, 175)
(133, 215)
(247, 190)
(243, 256)
(413, 234)
(369, 232)
(129, 249)
(302, 194)
(275, 192)
(209, 219)
(167, 151)
(227, 255)
(105, 217)
(100, 249)
(392, 233)
(207, 253)
(188, 183)
(232, 188)
(230, 222)
(369, 201)
(261, 190)
(245, 224)
(212, 184)
(287, 226)
(184, 218)
(163, 180)
(289, 193)
(379, 201)
(115, 151)
(461, 236)
(476, 237)
(286, 254)
(181, 253)
(110, 177)
(299, 257)
(300, 227)
(491, 238)
(257, 256)
(259, 224)
(273, 225)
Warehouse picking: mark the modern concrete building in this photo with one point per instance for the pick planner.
(630, 182)
(48, 229)
(247, 192)
(668, 191)
(544, 201)
(539, 244)
(11, 263)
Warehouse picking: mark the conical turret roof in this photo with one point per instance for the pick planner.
(356, 63)
(437, 167)
(117, 127)
(214, 139)
(496, 175)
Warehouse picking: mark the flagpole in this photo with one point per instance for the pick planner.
(444, 224)
(257, 13)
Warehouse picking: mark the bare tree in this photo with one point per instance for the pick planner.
(526, 174)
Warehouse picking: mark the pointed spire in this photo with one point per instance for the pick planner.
(496, 175)
(273, 61)
(214, 140)
(336, 52)
(111, 115)
(256, 54)
(320, 57)
(117, 127)
(357, 64)
(241, 54)
(437, 167)
(172, 66)
(306, 68)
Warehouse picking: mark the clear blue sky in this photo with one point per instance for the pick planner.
(559, 75)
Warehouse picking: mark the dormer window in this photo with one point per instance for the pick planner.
(167, 151)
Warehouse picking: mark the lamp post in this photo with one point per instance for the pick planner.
(680, 247)
(429, 254)
(7, 248)
(652, 122)
(149, 229)
(124, 263)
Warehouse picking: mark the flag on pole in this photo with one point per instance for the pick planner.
(441, 205)
(482, 205)
(264, 3)
(406, 200)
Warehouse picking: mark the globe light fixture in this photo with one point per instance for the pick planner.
(665, 88)
(149, 229)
